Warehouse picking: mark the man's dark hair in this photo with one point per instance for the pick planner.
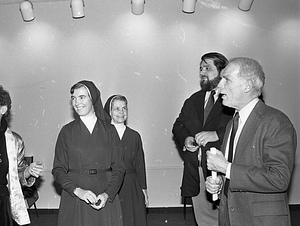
(5, 100)
(219, 60)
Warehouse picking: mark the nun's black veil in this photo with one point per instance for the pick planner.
(96, 100)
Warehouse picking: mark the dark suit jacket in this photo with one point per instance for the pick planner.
(261, 171)
(189, 123)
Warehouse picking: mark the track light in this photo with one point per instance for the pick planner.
(26, 9)
(137, 6)
(77, 8)
(189, 6)
(245, 5)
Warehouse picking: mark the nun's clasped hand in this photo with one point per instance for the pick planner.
(96, 202)
(102, 199)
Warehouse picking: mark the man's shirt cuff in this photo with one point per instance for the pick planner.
(228, 171)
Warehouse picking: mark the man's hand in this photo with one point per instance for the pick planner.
(216, 162)
(205, 137)
(214, 186)
(190, 144)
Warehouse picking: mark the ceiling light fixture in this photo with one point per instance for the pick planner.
(189, 6)
(137, 6)
(77, 8)
(245, 5)
(26, 9)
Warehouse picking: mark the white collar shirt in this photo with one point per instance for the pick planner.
(207, 94)
(243, 116)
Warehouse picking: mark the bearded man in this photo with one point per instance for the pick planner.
(201, 125)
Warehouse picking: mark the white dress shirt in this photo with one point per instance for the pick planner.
(207, 94)
(244, 114)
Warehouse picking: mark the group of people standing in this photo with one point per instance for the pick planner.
(99, 163)
(248, 145)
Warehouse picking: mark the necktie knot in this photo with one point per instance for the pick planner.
(213, 92)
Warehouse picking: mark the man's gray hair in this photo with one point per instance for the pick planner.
(251, 71)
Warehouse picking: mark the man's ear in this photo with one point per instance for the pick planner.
(248, 87)
(3, 109)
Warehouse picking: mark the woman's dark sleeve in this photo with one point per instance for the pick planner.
(117, 164)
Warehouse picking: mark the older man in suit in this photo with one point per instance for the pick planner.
(201, 123)
(257, 160)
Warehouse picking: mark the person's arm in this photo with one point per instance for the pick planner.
(140, 167)
(60, 163)
(179, 130)
(139, 164)
(273, 147)
(24, 176)
(60, 170)
(117, 164)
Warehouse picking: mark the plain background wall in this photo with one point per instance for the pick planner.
(152, 59)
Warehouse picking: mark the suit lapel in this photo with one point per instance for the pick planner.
(217, 108)
(199, 105)
(249, 129)
(226, 137)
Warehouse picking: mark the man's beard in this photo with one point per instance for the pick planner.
(208, 85)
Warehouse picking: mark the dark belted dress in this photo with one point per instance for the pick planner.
(92, 162)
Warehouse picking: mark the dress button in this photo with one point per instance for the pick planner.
(232, 208)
